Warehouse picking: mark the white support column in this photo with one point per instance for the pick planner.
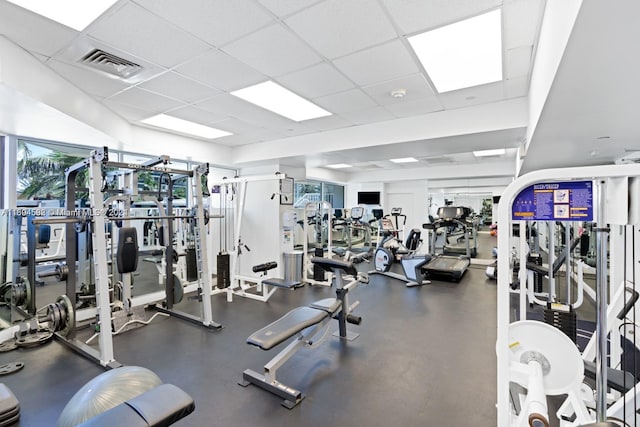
(9, 171)
(100, 260)
(204, 279)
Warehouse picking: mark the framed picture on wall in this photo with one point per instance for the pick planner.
(286, 191)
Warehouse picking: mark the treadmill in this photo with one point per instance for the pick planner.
(461, 244)
(452, 267)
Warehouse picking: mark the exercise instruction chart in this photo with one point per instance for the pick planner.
(555, 201)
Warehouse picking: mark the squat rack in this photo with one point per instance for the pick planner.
(95, 218)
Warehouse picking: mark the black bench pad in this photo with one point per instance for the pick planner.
(617, 379)
(281, 283)
(287, 326)
(330, 264)
(330, 305)
(161, 406)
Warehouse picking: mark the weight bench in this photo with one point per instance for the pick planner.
(160, 406)
(304, 323)
(274, 281)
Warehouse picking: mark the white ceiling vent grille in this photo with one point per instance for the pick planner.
(111, 64)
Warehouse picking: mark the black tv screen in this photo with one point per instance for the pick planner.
(368, 197)
(496, 199)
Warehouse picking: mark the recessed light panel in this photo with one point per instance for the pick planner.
(273, 97)
(489, 153)
(404, 160)
(464, 54)
(183, 126)
(77, 14)
(339, 166)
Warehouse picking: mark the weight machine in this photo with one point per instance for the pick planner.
(317, 214)
(231, 281)
(112, 298)
(536, 360)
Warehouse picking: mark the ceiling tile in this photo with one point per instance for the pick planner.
(237, 126)
(266, 135)
(414, 16)
(175, 86)
(196, 115)
(483, 94)
(89, 81)
(145, 100)
(235, 140)
(219, 70)
(214, 21)
(414, 108)
(350, 100)
(516, 87)
(318, 80)
(128, 112)
(337, 27)
(137, 31)
(286, 7)
(415, 86)
(517, 62)
(18, 25)
(380, 63)
(371, 115)
(273, 51)
(232, 106)
(328, 123)
(520, 22)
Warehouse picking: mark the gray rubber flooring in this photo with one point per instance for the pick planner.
(425, 357)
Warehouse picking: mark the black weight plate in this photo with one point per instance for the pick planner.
(8, 345)
(35, 339)
(10, 368)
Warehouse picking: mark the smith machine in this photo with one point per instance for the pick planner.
(113, 302)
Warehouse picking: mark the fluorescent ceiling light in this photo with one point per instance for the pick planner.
(404, 160)
(184, 126)
(281, 101)
(467, 53)
(487, 153)
(339, 166)
(77, 14)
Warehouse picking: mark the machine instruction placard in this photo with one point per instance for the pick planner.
(555, 201)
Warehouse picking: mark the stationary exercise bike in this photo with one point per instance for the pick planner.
(386, 254)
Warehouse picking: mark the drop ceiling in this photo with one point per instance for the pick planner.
(345, 56)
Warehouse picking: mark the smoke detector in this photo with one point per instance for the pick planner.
(398, 93)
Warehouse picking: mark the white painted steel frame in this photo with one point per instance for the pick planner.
(239, 284)
(504, 273)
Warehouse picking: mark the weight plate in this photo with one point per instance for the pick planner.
(34, 340)
(70, 318)
(8, 345)
(10, 368)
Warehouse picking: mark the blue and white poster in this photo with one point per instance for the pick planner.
(555, 201)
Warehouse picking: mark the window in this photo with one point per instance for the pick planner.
(315, 191)
(41, 170)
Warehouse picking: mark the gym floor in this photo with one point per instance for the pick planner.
(425, 357)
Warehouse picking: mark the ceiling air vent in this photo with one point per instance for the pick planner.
(106, 62)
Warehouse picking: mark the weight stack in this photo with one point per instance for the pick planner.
(224, 269)
(192, 265)
(562, 317)
(537, 277)
(318, 272)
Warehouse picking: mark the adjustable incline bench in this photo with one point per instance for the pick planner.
(305, 323)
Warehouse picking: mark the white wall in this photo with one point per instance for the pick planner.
(557, 24)
(415, 195)
(37, 102)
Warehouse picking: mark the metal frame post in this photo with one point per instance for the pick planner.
(602, 234)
